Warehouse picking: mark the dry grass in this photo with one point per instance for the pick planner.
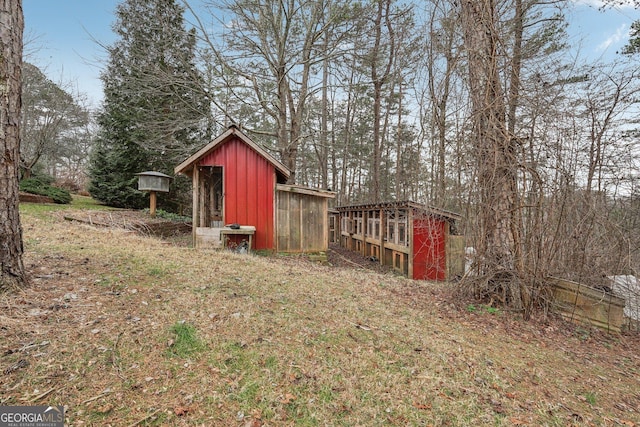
(128, 330)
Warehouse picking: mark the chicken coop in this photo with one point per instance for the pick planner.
(240, 197)
(416, 240)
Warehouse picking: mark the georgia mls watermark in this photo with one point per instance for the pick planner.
(31, 416)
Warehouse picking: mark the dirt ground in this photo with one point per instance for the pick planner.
(142, 223)
(341, 257)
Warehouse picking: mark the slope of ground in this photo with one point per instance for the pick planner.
(128, 330)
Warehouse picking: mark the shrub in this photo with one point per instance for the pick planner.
(41, 187)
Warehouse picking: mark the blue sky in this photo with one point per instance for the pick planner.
(60, 38)
(63, 37)
(603, 33)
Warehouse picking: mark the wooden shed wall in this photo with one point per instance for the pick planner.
(249, 182)
(455, 256)
(302, 222)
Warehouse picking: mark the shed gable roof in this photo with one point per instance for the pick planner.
(186, 166)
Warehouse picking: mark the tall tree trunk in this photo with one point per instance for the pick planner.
(343, 195)
(400, 184)
(324, 120)
(496, 158)
(12, 273)
(516, 65)
(379, 78)
(287, 155)
(439, 86)
(377, 99)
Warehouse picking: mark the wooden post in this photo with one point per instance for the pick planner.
(195, 215)
(325, 219)
(152, 202)
(383, 230)
(410, 218)
(365, 221)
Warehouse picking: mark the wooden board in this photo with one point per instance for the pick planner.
(455, 256)
(208, 238)
(302, 222)
(582, 304)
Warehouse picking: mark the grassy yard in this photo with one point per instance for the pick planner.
(128, 330)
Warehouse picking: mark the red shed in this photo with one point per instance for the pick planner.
(235, 181)
(414, 239)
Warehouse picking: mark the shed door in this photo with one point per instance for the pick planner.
(429, 256)
(212, 177)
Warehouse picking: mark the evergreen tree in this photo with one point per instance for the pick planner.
(633, 47)
(155, 111)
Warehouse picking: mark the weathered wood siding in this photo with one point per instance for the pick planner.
(207, 238)
(455, 256)
(301, 219)
(582, 304)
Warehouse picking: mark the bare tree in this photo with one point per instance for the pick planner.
(49, 116)
(380, 60)
(595, 174)
(347, 125)
(276, 46)
(12, 272)
(441, 63)
(605, 104)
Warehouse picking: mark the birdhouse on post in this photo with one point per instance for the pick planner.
(152, 182)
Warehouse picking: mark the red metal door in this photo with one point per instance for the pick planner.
(429, 253)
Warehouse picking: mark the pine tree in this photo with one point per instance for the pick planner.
(633, 47)
(12, 273)
(155, 111)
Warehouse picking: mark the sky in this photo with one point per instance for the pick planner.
(64, 37)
